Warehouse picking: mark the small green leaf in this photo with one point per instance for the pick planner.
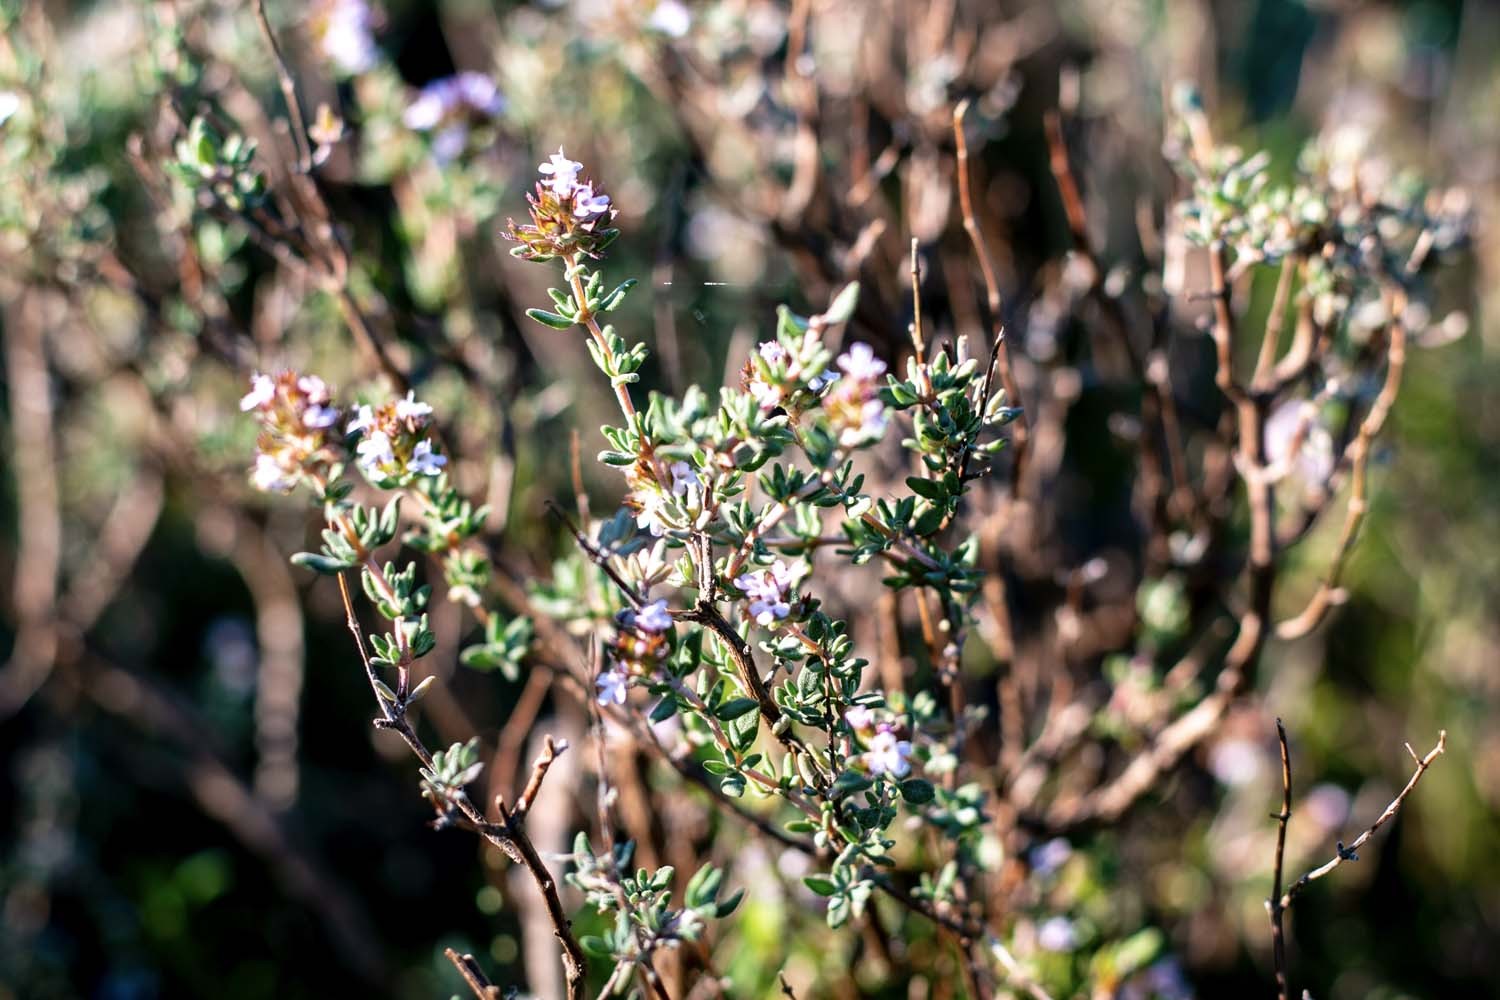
(820, 884)
(318, 563)
(551, 319)
(916, 791)
(736, 707)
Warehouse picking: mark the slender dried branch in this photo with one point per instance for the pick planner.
(288, 89)
(479, 984)
(1273, 905)
(1329, 593)
(1347, 853)
(1000, 361)
(508, 834)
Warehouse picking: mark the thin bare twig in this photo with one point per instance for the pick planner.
(508, 834)
(1273, 905)
(1347, 853)
(288, 89)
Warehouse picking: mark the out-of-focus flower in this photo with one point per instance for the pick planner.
(426, 462)
(1051, 856)
(671, 18)
(1291, 426)
(295, 415)
(262, 391)
(686, 483)
(1161, 981)
(1235, 762)
(653, 618)
(568, 216)
(342, 31)
(888, 753)
(450, 107)
(326, 131)
(768, 589)
(10, 103)
(394, 446)
(613, 685)
(860, 718)
(1057, 934)
(853, 404)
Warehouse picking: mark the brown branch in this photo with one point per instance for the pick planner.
(1328, 593)
(1347, 853)
(508, 834)
(1273, 905)
(1001, 349)
(479, 984)
(288, 89)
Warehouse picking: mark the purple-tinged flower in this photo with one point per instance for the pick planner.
(568, 216)
(653, 618)
(613, 686)
(262, 391)
(1057, 934)
(860, 363)
(853, 404)
(767, 590)
(587, 204)
(269, 477)
(449, 107)
(1050, 856)
(860, 718)
(424, 461)
(375, 452)
(319, 417)
(685, 482)
(888, 754)
(394, 445)
(294, 413)
(342, 30)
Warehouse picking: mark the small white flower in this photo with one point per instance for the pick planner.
(861, 364)
(364, 419)
(449, 143)
(375, 451)
(685, 482)
(410, 409)
(269, 477)
(888, 755)
(1057, 934)
(586, 203)
(859, 717)
(314, 388)
(563, 171)
(10, 103)
(425, 461)
(612, 685)
(671, 18)
(262, 391)
(653, 618)
(425, 112)
(317, 417)
(772, 351)
(345, 36)
(651, 515)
